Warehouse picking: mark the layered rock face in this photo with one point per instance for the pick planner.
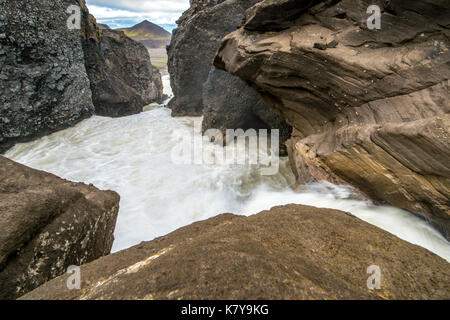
(43, 82)
(291, 252)
(369, 108)
(121, 75)
(44, 85)
(48, 224)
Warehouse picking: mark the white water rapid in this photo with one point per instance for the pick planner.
(132, 156)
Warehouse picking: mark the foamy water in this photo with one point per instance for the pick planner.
(132, 156)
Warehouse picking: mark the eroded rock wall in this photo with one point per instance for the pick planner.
(43, 82)
(369, 108)
(122, 78)
(193, 46)
(52, 77)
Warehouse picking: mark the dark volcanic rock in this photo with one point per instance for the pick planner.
(44, 85)
(369, 108)
(291, 252)
(225, 101)
(48, 224)
(193, 46)
(122, 78)
(230, 104)
(43, 81)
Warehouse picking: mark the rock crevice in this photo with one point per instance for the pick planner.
(225, 101)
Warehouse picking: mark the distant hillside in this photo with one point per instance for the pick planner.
(149, 34)
(146, 27)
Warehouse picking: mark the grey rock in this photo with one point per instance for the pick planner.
(122, 78)
(52, 77)
(225, 101)
(28, 78)
(193, 46)
(231, 104)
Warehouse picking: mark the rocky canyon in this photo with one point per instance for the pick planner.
(91, 131)
(53, 77)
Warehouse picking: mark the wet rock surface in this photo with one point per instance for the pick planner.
(290, 252)
(48, 224)
(369, 108)
(230, 104)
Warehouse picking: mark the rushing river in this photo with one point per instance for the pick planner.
(132, 156)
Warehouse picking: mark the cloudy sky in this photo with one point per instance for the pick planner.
(126, 13)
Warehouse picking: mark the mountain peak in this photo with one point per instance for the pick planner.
(145, 22)
(150, 27)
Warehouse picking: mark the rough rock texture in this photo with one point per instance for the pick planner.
(193, 46)
(43, 81)
(291, 252)
(230, 104)
(44, 85)
(48, 224)
(369, 107)
(225, 101)
(121, 75)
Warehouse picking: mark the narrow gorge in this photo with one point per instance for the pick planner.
(362, 124)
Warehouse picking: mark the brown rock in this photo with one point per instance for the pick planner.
(372, 110)
(48, 224)
(290, 252)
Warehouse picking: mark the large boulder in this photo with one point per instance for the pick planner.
(53, 77)
(48, 224)
(225, 101)
(43, 82)
(290, 252)
(193, 46)
(369, 108)
(229, 103)
(121, 75)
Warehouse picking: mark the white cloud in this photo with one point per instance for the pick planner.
(157, 11)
